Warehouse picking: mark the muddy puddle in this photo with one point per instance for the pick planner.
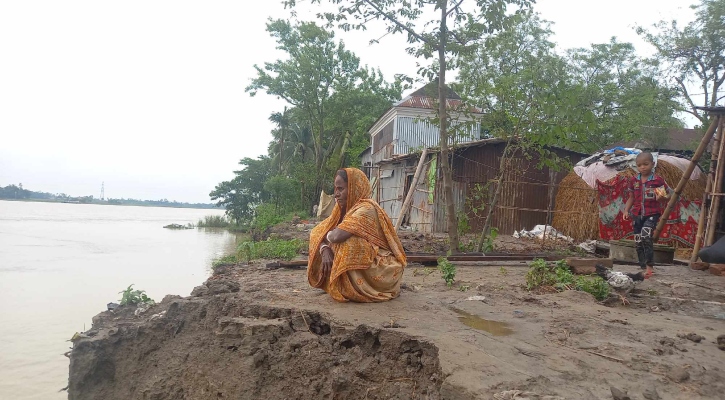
(495, 328)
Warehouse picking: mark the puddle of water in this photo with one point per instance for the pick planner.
(495, 328)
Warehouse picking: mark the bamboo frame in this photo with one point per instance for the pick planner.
(715, 204)
(685, 177)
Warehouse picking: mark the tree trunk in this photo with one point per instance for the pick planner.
(494, 200)
(442, 116)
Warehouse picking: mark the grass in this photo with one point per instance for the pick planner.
(275, 249)
(227, 260)
(559, 276)
(213, 221)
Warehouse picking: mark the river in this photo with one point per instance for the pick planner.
(60, 264)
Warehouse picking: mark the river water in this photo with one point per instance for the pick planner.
(60, 264)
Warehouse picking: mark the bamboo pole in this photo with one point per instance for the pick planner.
(701, 222)
(685, 177)
(717, 188)
(409, 197)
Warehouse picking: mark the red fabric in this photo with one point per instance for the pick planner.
(681, 224)
(644, 195)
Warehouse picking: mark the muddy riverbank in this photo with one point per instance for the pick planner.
(251, 332)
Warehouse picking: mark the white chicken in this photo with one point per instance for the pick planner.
(621, 282)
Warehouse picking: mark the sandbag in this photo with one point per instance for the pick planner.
(325, 206)
(714, 254)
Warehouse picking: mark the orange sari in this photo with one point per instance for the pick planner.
(369, 265)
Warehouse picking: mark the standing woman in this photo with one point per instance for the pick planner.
(355, 254)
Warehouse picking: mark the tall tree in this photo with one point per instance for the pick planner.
(621, 91)
(315, 68)
(525, 89)
(281, 135)
(693, 55)
(450, 34)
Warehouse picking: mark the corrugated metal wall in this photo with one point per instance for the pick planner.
(413, 133)
(392, 193)
(383, 137)
(392, 181)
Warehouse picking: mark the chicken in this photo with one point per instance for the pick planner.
(621, 282)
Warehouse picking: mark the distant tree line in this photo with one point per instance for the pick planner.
(17, 192)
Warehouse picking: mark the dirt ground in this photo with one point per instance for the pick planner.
(254, 332)
(563, 344)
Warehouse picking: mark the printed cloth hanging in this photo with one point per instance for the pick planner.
(681, 224)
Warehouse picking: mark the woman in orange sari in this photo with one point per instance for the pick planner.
(355, 254)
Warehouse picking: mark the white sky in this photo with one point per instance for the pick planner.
(148, 96)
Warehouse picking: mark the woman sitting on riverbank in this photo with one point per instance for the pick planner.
(355, 254)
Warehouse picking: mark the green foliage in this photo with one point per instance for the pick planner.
(283, 193)
(594, 285)
(583, 100)
(240, 195)
(503, 271)
(266, 216)
(229, 259)
(448, 270)
(488, 241)
(274, 249)
(559, 276)
(464, 288)
(213, 221)
(131, 296)
(246, 251)
(692, 57)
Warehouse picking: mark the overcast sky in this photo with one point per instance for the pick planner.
(148, 96)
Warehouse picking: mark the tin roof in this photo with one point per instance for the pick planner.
(481, 142)
(427, 97)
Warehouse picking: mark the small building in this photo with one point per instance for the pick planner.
(526, 199)
(403, 131)
(406, 126)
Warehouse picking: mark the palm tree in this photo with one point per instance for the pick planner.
(281, 134)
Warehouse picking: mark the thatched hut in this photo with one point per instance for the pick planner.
(582, 198)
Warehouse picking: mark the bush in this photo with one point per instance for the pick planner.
(560, 277)
(213, 221)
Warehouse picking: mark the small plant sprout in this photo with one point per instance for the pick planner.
(130, 296)
(464, 288)
(448, 270)
(503, 271)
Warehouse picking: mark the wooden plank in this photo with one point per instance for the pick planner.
(586, 266)
(409, 198)
(433, 258)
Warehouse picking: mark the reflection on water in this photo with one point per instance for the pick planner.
(495, 328)
(61, 263)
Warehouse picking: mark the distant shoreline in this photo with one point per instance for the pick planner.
(99, 203)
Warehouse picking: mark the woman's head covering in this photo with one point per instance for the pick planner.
(358, 188)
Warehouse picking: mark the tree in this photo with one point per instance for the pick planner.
(693, 55)
(317, 66)
(281, 135)
(621, 91)
(451, 34)
(245, 191)
(525, 88)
